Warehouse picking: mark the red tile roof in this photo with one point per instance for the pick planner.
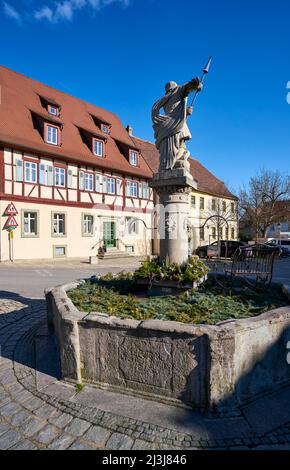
(206, 181)
(20, 95)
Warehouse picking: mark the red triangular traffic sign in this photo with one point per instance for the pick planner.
(11, 209)
(11, 222)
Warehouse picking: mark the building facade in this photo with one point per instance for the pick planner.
(79, 180)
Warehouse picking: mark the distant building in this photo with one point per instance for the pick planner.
(79, 179)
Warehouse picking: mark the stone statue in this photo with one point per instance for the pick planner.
(171, 130)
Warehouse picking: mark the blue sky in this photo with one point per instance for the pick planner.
(118, 54)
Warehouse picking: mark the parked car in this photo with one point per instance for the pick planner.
(227, 249)
(284, 246)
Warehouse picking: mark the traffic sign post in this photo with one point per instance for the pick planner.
(10, 225)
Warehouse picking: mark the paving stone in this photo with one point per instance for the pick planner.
(24, 445)
(9, 439)
(3, 428)
(20, 418)
(62, 442)
(10, 409)
(119, 442)
(79, 445)
(33, 404)
(47, 434)
(61, 420)
(31, 426)
(97, 435)
(139, 444)
(46, 411)
(77, 427)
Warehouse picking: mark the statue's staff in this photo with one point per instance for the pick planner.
(205, 72)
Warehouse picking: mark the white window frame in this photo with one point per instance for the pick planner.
(29, 165)
(59, 173)
(89, 181)
(96, 148)
(32, 215)
(111, 185)
(50, 135)
(56, 218)
(133, 158)
(85, 225)
(51, 108)
(132, 186)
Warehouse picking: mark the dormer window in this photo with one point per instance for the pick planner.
(98, 146)
(51, 134)
(105, 129)
(133, 157)
(54, 110)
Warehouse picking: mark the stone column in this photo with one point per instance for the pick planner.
(173, 188)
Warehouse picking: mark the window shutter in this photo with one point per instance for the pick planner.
(19, 170)
(98, 184)
(81, 180)
(128, 188)
(119, 187)
(105, 184)
(42, 173)
(49, 175)
(69, 178)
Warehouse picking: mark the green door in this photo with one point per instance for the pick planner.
(109, 230)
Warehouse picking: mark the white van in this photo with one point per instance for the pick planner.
(281, 242)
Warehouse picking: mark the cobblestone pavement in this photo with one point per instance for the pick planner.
(38, 411)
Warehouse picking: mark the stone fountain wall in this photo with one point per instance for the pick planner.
(210, 368)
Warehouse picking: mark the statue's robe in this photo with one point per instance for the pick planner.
(171, 130)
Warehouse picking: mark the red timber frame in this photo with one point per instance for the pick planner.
(56, 163)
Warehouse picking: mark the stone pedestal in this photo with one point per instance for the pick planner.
(173, 188)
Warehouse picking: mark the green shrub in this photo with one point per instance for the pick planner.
(206, 305)
(190, 271)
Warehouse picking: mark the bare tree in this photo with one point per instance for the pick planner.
(262, 203)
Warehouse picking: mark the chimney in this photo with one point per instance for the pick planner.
(129, 129)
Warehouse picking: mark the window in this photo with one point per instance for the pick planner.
(192, 202)
(59, 251)
(53, 110)
(213, 204)
(98, 147)
(58, 224)
(232, 233)
(89, 181)
(30, 172)
(59, 176)
(29, 224)
(133, 158)
(213, 232)
(221, 232)
(88, 225)
(201, 203)
(201, 233)
(52, 135)
(111, 185)
(227, 233)
(105, 184)
(105, 129)
(132, 188)
(131, 226)
(233, 208)
(224, 206)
